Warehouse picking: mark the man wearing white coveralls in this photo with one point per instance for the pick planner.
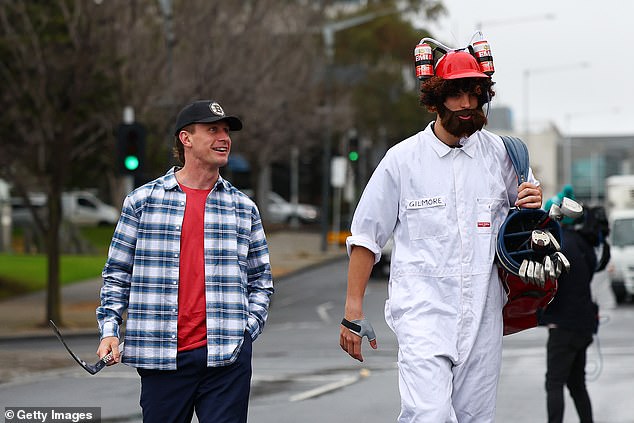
(443, 195)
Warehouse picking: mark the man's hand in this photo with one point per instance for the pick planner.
(107, 344)
(359, 269)
(529, 196)
(350, 339)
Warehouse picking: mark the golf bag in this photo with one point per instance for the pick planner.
(525, 297)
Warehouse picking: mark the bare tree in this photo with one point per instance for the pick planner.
(57, 94)
(261, 60)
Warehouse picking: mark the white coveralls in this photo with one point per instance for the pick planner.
(444, 207)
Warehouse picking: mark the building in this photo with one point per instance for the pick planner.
(591, 159)
(582, 161)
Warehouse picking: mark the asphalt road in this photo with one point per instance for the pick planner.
(301, 374)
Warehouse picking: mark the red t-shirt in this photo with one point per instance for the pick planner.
(192, 322)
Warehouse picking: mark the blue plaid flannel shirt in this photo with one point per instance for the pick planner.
(142, 271)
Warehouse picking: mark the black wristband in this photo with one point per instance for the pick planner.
(352, 326)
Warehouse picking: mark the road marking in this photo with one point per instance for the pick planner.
(322, 311)
(330, 387)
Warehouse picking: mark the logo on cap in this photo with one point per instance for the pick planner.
(216, 109)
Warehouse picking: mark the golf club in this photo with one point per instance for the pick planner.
(522, 271)
(530, 272)
(569, 208)
(540, 277)
(90, 368)
(553, 241)
(561, 260)
(539, 240)
(549, 269)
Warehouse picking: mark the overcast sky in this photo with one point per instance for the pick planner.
(550, 41)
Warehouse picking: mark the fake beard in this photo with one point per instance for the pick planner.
(458, 127)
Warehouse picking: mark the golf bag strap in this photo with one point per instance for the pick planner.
(518, 152)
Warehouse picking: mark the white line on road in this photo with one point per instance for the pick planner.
(322, 311)
(324, 389)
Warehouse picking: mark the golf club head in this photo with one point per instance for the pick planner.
(557, 269)
(530, 272)
(90, 368)
(562, 261)
(539, 240)
(555, 212)
(549, 269)
(570, 208)
(540, 277)
(553, 241)
(522, 272)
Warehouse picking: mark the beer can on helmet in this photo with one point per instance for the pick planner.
(482, 51)
(424, 61)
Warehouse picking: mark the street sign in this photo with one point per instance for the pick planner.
(338, 167)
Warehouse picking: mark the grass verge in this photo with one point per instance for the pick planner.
(28, 273)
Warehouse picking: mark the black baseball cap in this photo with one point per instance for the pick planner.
(205, 111)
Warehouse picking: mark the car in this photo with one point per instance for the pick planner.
(81, 208)
(281, 211)
(621, 265)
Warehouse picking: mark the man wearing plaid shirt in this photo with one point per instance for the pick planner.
(189, 263)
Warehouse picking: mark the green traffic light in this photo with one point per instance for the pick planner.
(353, 156)
(131, 162)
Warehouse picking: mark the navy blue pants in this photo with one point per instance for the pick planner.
(217, 394)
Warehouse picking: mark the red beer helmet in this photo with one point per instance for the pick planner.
(458, 64)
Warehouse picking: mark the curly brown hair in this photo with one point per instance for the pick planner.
(435, 90)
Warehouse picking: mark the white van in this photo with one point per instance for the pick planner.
(621, 266)
(281, 211)
(82, 208)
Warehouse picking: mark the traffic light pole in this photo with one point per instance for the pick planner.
(325, 187)
(328, 35)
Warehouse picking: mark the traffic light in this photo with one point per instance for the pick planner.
(130, 148)
(353, 148)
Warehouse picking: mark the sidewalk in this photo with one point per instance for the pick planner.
(23, 316)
